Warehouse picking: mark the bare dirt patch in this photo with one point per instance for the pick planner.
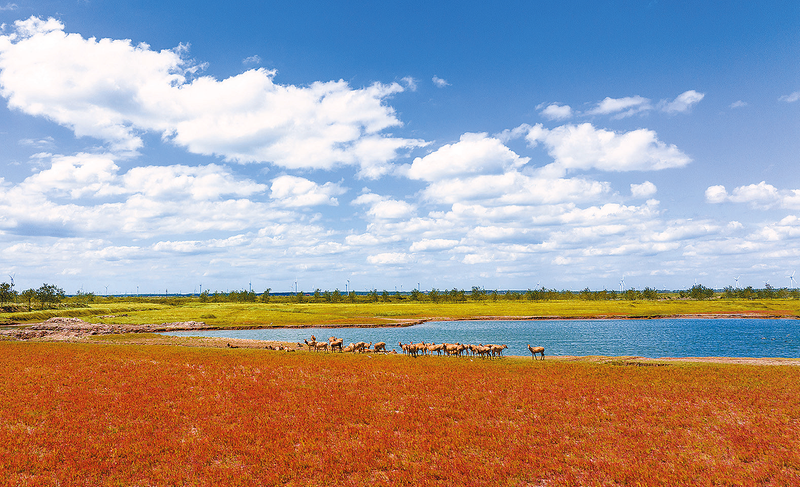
(61, 329)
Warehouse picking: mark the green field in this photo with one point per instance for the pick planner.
(144, 311)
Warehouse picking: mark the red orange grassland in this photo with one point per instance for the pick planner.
(96, 414)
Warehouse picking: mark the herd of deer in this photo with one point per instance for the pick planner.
(453, 349)
(415, 349)
(334, 344)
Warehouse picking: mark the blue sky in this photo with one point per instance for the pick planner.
(168, 145)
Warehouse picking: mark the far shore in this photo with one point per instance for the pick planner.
(412, 322)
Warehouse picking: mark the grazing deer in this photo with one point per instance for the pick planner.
(336, 343)
(497, 350)
(535, 350)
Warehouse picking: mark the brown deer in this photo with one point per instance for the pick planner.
(535, 350)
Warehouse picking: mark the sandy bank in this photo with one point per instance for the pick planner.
(76, 328)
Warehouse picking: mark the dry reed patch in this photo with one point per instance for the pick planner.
(110, 415)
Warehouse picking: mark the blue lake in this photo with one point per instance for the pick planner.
(645, 338)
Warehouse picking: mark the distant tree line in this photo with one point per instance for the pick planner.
(768, 292)
(455, 295)
(47, 295)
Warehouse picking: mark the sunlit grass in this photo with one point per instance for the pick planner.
(309, 314)
(120, 415)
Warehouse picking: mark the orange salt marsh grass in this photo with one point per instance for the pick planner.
(88, 414)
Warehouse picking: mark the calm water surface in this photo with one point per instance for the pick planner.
(645, 338)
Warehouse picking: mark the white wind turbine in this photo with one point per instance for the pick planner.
(622, 284)
(792, 282)
(737, 281)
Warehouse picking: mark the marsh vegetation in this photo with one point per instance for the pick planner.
(132, 415)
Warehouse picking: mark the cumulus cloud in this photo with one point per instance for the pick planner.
(439, 82)
(644, 190)
(682, 103)
(473, 153)
(761, 195)
(554, 111)
(584, 147)
(514, 188)
(77, 176)
(716, 194)
(791, 98)
(293, 191)
(382, 207)
(88, 193)
(98, 176)
(114, 90)
(178, 182)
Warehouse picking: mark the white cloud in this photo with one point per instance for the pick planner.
(439, 82)
(473, 153)
(683, 103)
(410, 83)
(791, 98)
(754, 193)
(362, 240)
(77, 176)
(9, 6)
(254, 59)
(97, 176)
(622, 107)
(40, 144)
(381, 207)
(554, 111)
(209, 183)
(293, 191)
(389, 258)
(716, 194)
(739, 104)
(644, 190)
(679, 230)
(761, 195)
(88, 194)
(431, 244)
(114, 90)
(631, 105)
(584, 147)
(514, 188)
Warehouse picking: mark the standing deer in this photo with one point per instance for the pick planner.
(535, 350)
